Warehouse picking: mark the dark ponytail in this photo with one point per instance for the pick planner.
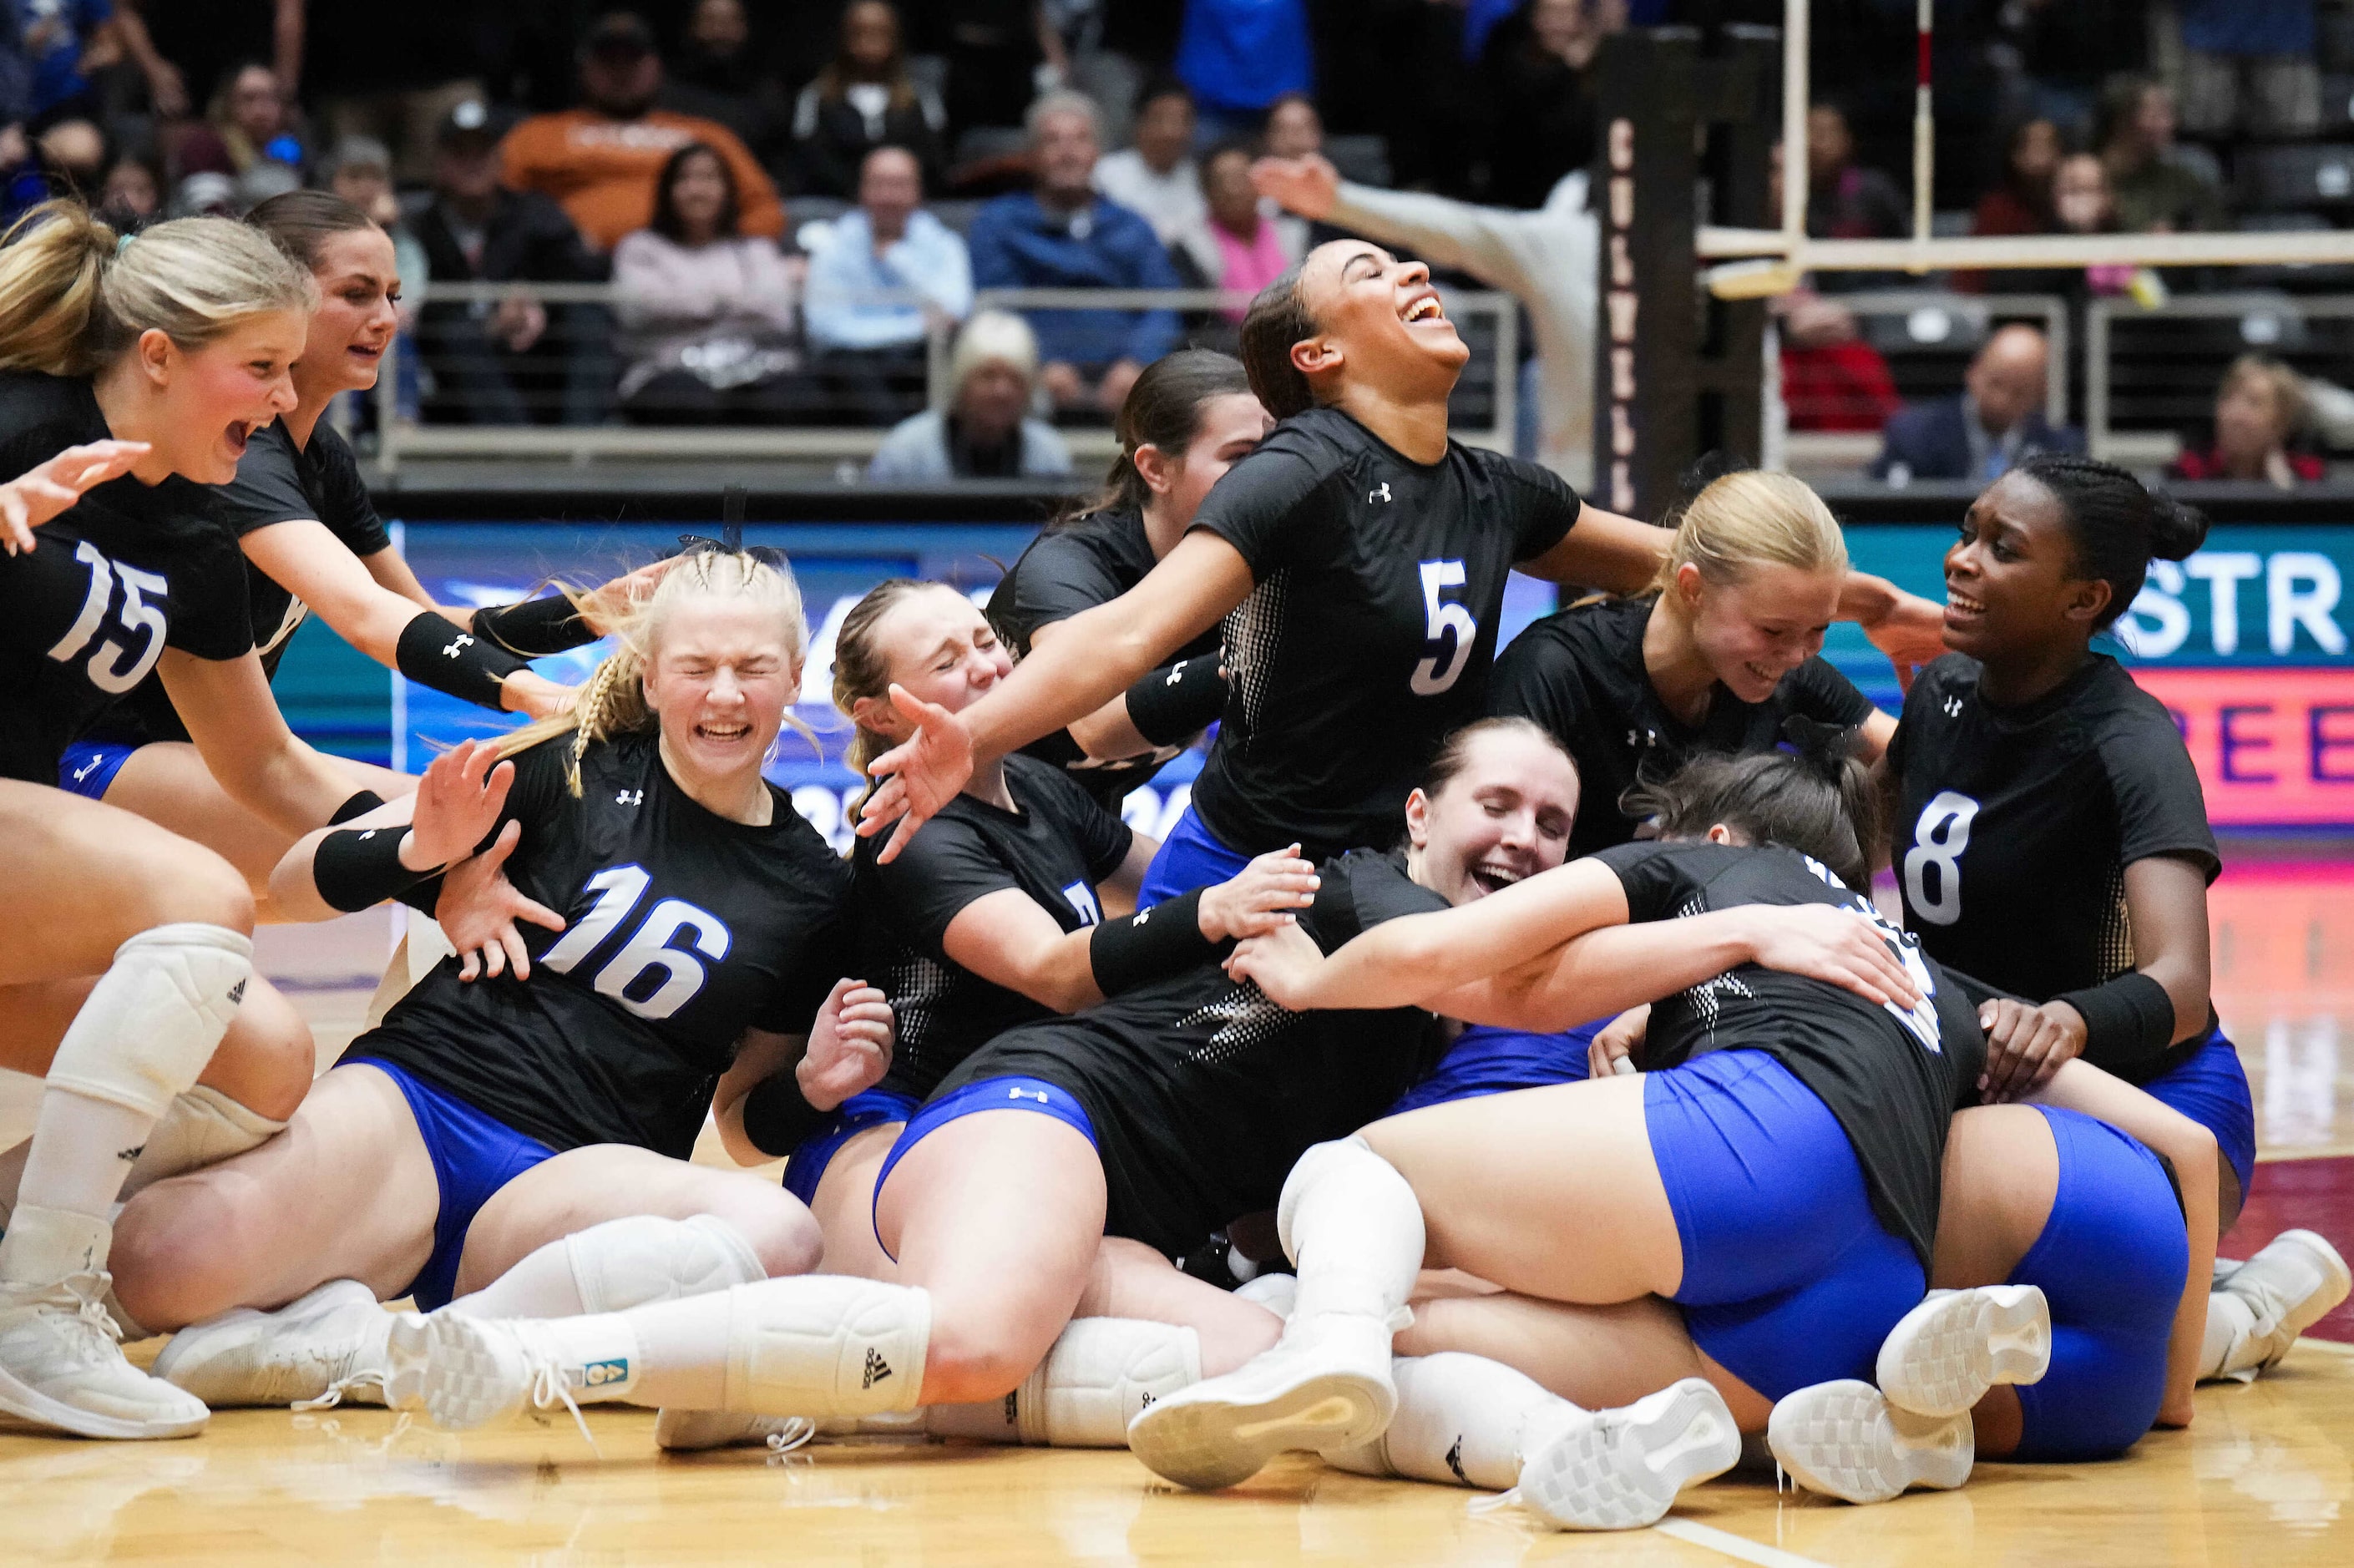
(1814, 798)
(2118, 525)
(1163, 409)
(1277, 320)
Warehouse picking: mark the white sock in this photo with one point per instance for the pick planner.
(1354, 1230)
(20, 1107)
(816, 1345)
(625, 1263)
(2230, 1325)
(203, 1127)
(82, 1153)
(11, 1171)
(1461, 1419)
(1098, 1374)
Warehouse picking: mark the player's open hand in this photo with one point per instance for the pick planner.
(479, 907)
(458, 803)
(2026, 1044)
(1307, 186)
(920, 775)
(1616, 1048)
(604, 606)
(45, 490)
(849, 1046)
(1260, 897)
(1839, 945)
(1286, 964)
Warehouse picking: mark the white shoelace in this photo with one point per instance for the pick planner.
(796, 1433)
(548, 1387)
(336, 1390)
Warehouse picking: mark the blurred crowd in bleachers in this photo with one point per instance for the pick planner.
(781, 205)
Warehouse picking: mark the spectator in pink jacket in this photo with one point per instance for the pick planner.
(705, 311)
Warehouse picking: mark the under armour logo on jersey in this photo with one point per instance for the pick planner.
(1952, 707)
(1455, 1461)
(1380, 493)
(631, 798)
(452, 651)
(1642, 737)
(1176, 672)
(877, 1368)
(1038, 1095)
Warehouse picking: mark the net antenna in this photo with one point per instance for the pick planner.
(1761, 261)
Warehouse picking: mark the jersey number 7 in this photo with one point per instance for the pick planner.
(647, 951)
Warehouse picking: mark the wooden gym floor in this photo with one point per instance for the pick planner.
(2261, 1477)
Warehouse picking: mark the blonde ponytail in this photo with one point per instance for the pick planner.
(614, 701)
(74, 294)
(1752, 518)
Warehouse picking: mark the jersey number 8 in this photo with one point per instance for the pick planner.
(647, 951)
(107, 670)
(1450, 630)
(1932, 866)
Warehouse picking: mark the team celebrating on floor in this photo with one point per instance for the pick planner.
(1531, 1005)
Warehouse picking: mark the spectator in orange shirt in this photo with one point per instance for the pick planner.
(602, 161)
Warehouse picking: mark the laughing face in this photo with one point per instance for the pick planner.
(359, 299)
(720, 678)
(1380, 320)
(2010, 578)
(215, 397)
(1502, 820)
(1754, 632)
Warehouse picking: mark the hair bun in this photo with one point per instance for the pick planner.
(2176, 530)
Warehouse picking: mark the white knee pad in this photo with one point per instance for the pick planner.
(1353, 1228)
(1099, 1373)
(640, 1258)
(202, 1126)
(155, 1017)
(824, 1345)
(1321, 1160)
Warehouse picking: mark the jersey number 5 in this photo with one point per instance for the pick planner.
(1932, 866)
(647, 951)
(1448, 631)
(107, 670)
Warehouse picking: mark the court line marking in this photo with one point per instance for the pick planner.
(1732, 1545)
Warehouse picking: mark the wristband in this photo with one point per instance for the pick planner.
(1149, 945)
(1176, 703)
(537, 627)
(777, 1119)
(359, 805)
(439, 653)
(2126, 1020)
(359, 868)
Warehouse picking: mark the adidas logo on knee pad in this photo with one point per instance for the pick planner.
(877, 1368)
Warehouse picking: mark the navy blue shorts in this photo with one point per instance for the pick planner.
(1789, 1277)
(89, 766)
(1485, 1060)
(474, 1155)
(1190, 857)
(1008, 1093)
(2212, 1089)
(2111, 1262)
(868, 1107)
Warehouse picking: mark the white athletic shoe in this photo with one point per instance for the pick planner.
(1325, 1384)
(693, 1431)
(2289, 1285)
(321, 1345)
(1846, 1440)
(470, 1373)
(61, 1366)
(1944, 1355)
(1621, 1469)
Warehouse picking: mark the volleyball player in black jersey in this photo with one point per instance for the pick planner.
(1366, 553)
(1189, 419)
(2051, 840)
(458, 1148)
(312, 539)
(130, 950)
(1007, 909)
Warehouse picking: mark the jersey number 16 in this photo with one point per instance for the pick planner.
(647, 951)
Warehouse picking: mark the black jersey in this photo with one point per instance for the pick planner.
(1203, 1093)
(1378, 582)
(2016, 826)
(1065, 571)
(1580, 675)
(276, 482)
(124, 573)
(1057, 847)
(684, 930)
(1892, 1077)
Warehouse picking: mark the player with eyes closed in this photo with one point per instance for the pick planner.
(2051, 841)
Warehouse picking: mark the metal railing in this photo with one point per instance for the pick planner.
(402, 438)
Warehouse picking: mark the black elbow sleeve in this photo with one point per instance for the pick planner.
(435, 652)
(1179, 701)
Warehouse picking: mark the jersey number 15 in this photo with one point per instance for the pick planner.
(108, 669)
(647, 951)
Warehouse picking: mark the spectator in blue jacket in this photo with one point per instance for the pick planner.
(1062, 235)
